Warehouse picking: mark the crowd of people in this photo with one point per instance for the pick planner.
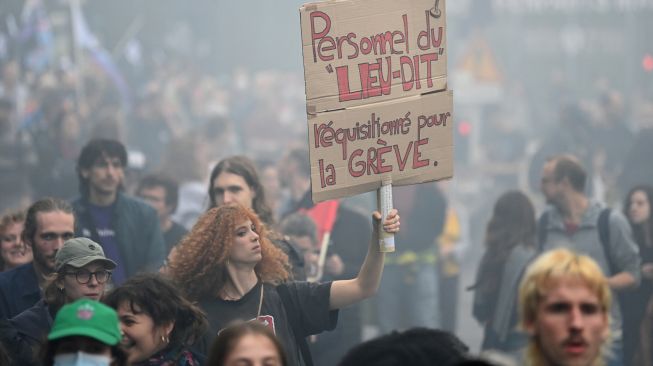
(232, 265)
(573, 285)
(174, 225)
(616, 242)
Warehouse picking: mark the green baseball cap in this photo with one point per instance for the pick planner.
(78, 252)
(88, 318)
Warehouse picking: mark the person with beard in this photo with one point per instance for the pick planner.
(48, 223)
(128, 229)
(574, 221)
(565, 303)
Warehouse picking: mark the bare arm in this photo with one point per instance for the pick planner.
(348, 292)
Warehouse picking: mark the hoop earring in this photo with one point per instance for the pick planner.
(165, 339)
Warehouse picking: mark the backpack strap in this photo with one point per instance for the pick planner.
(542, 225)
(603, 226)
(291, 312)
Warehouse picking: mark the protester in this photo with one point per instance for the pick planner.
(570, 135)
(158, 323)
(576, 222)
(415, 347)
(48, 224)
(409, 290)
(235, 180)
(127, 229)
(13, 252)
(81, 271)
(302, 231)
(510, 246)
(85, 332)
(276, 197)
(637, 207)
(248, 343)
(564, 303)
(162, 193)
(228, 264)
(347, 227)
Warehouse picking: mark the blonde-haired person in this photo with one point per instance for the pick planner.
(13, 252)
(565, 302)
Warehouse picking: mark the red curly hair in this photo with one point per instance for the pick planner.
(199, 266)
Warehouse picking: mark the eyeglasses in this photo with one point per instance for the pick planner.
(55, 236)
(83, 276)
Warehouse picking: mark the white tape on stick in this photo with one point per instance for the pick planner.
(384, 196)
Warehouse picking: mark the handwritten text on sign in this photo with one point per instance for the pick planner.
(408, 140)
(372, 53)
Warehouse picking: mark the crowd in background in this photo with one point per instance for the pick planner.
(186, 132)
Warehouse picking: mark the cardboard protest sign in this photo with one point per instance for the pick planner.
(408, 141)
(376, 99)
(364, 51)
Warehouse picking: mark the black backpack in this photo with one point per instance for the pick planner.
(603, 225)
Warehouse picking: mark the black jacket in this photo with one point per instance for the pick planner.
(30, 332)
(137, 229)
(19, 290)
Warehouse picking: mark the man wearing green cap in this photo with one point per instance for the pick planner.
(82, 271)
(85, 332)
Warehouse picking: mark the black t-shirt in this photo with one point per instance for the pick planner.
(311, 299)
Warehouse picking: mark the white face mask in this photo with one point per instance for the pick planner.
(81, 359)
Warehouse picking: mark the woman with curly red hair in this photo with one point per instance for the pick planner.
(229, 266)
